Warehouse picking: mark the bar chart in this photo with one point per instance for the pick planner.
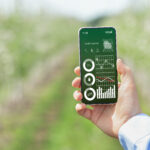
(110, 93)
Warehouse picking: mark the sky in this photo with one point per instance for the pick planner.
(86, 9)
(81, 9)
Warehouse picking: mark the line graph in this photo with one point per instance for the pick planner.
(104, 62)
(105, 79)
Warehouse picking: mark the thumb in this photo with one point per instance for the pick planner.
(124, 71)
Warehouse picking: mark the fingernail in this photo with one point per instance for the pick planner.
(79, 106)
(77, 94)
(73, 83)
(119, 59)
(75, 69)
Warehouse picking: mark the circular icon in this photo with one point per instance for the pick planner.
(88, 65)
(89, 79)
(89, 94)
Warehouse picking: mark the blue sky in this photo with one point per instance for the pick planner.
(81, 9)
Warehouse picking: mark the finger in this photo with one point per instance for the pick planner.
(76, 82)
(77, 70)
(83, 111)
(119, 84)
(120, 67)
(124, 71)
(77, 95)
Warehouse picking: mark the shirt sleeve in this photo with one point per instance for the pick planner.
(135, 133)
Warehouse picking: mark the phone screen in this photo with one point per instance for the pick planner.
(98, 54)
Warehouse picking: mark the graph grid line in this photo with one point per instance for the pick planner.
(105, 76)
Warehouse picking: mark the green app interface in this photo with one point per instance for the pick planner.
(98, 55)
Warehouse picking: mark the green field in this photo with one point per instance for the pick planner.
(38, 55)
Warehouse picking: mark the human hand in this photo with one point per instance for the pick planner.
(109, 118)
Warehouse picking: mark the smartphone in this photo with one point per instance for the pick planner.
(98, 68)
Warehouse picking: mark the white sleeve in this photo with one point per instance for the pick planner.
(135, 133)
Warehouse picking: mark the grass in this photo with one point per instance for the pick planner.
(26, 42)
(50, 121)
(25, 135)
(68, 130)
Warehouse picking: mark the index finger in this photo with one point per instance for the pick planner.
(77, 70)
